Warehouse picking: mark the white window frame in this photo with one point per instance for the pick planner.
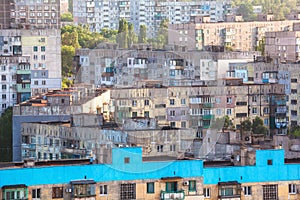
(206, 192)
(247, 190)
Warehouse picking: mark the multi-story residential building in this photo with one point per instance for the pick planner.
(129, 177)
(283, 45)
(106, 14)
(58, 106)
(242, 36)
(35, 14)
(109, 66)
(30, 36)
(15, 70)
(43, 48)
(6, 6)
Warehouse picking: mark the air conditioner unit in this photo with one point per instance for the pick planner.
(185, 183)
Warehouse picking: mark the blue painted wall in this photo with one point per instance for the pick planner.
(261, 172)
(136, 169)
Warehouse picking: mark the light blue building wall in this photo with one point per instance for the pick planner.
(118, 170)
(269, 167)
(276, 170)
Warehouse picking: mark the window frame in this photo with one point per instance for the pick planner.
(206, 192)
(103, 190)
(150, 188)
(248, 190)
(192, 186)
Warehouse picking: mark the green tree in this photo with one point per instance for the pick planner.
(66, 17)
(142, 34)
(67, 55)
(246, 10)
(123, 33)
(6, 136)
(66, 82)
(246, 125)
(132, 38)
(162, 35)
(261, 46)
(258, 126)
(70, 39)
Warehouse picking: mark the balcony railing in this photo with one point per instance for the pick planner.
(172, 195)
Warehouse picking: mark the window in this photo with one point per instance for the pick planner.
(4, 105)
(43, 82)
(254, 98)
(228, 111)
(292, 189)
(3, 78)
(160, 148)
(57, 192)
(183, 124)
(229, 100)
(43, 48)
(128, 191)
(254, 111)
(150, 187)
(266, 122)
(103, 189)
(126, 160)
(134, 114)
(173, 147)
(172, 124)
(192, 185)
(171, 186)
(270, 162)
(146, 114)
(206, 192)
(183, 101)
(36, 193)
(248, 190)
(35, 57)
(270, 192)
(266, 110)
(43, 57)
(84, 188)
(146, 102)
(134, 103)
(36, 82)
(172, 113)
(35, 48)
(172, 101)
(3, 96)
(3, 87)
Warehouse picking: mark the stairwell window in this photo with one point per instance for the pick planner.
(248, 190)
(103, 189)
(206, 192)
(292, 189)
(36, 193)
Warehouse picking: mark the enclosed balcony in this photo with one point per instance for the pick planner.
(164, 195)
(229, 190)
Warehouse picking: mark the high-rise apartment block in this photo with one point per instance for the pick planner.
(30, 49)
(101, 14)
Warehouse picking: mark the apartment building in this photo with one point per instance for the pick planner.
(241, 36)
(30, 49)
(106, 14)
(54, 107)
(129, 177)
(283, 45)
(35, 14)
(109, 66)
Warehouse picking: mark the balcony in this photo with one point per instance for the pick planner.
(28, 146)
(20, 88)
(207, 105)
(172, 195)
(208, 117)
